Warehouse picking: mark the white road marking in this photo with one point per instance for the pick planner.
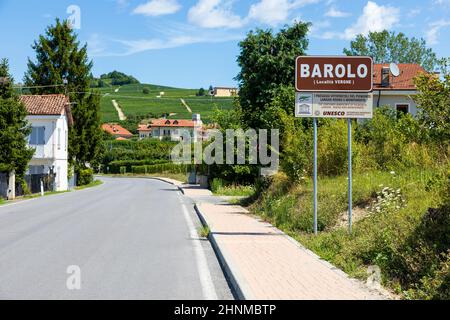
(209, 291)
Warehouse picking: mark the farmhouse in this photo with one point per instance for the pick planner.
(117, 131)
(145, 131)
(172, 129)
(50, 117)
(225, 92)
(396, 92)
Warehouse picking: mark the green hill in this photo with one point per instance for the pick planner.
(137, 105)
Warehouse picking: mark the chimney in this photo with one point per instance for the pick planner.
(385, 76)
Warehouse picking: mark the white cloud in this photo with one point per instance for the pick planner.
(274, 12)
(433, 30)
(442, 2)
(157, 8)
(336, 13)
(214, 14)
(374, 18)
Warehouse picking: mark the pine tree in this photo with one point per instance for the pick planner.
(14, 129)
(60, 58)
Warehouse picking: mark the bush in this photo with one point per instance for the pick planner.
(216, 185)
(332, 147)
(123, 170)
(139, 169)
(85, 177)
(146, 91)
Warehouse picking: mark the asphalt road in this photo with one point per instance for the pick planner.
(126, 239)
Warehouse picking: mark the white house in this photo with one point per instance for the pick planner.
(50, 117)
(172, 129)
(225, 92)
(396, 92)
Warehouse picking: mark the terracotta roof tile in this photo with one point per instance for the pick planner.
(405, 81)
(52, 104)
(144, 127)
(172, 123)
(116, 130)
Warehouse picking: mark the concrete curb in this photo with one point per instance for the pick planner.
(237, 282)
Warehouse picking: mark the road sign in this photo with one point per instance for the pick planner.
(333, 105)
(332, 74)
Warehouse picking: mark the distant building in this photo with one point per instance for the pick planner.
(50, 118)
(396, 92)
(117, 131)
(225, 92)
(172, 129)
(145, 131)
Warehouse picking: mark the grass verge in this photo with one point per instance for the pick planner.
(90, 185)
(409, 240)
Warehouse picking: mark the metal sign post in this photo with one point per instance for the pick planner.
(334, 87)
(315, 175)
(350, 186)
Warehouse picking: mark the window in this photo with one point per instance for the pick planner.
(402, 108)
(37, 136)
(59, 138)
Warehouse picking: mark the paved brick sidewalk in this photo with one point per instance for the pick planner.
(264, 263)
(269, 265)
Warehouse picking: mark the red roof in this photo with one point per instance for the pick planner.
(405, 81)
(50, 104)
(116, 130)
(172, 123)
(144, 127)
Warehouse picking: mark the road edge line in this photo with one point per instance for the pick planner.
(232, 273)
(207, 284)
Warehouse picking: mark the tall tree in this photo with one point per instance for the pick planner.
(60, 58)
(385, 47)
(267, 61)
(434, 106)
(14, 129)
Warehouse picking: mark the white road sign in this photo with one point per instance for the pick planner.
(333, 105)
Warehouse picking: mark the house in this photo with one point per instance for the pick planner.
(225, 92)
(172, 129)
(145, 131)
(117, 131)
(50, 118)
(396, 92)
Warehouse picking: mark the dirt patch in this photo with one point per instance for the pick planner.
(358, 214)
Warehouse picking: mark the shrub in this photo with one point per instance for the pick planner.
(146, 91)
(139, 169)
(123, 170)
(216, 185)
(85, 177)
(332, 147)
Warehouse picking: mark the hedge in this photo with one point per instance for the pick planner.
(161, 168)
(115, 166)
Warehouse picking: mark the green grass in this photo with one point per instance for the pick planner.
(204, 231)
(396, 240)
(135, 103)
(235, 191)
(2, 201)
(95, 183)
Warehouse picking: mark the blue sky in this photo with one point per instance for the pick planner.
(194, 43)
